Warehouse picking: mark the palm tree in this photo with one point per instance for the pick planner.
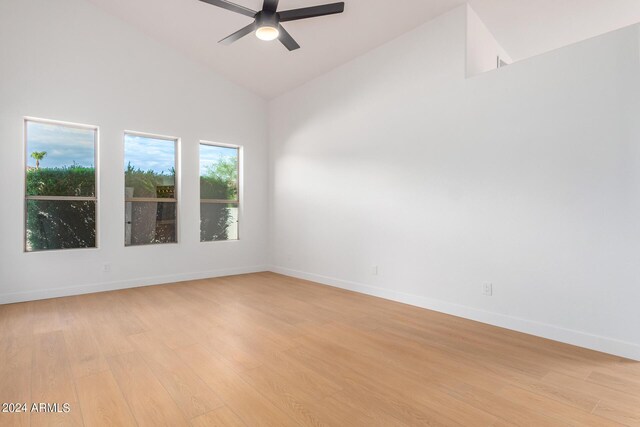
(38, 155)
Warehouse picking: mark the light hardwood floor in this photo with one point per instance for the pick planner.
(269, 350)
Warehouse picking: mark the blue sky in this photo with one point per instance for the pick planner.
(147, 153)
(64, 145)
(210, 154)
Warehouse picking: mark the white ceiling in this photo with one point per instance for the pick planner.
(524, 28)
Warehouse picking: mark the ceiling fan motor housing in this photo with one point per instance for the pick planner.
(267, 19)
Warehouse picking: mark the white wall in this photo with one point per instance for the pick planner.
(67, 60)
(527, 177)
(482, 47)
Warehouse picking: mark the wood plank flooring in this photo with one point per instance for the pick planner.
(269, 350)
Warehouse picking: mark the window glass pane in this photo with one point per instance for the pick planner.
(150, 222)
(60, 160)
(218, 221)
(60, 224)
(150, 167)
(150, 174)
(218, 172)
(218, 181)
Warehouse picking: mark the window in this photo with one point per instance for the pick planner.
(219, 201)
(60, 185)
(150, 189)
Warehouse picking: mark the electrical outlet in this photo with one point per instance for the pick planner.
(487, 289)
(106, 268)
(374, 270)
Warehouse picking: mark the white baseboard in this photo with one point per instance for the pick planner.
(556, 333)
(14, 297)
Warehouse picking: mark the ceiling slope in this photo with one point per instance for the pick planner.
(523, 27)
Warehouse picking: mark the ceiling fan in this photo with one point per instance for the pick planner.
(266, 23)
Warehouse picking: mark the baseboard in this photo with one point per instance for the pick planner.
(567, 336)
(14, 297)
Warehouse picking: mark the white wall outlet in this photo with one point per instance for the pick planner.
(374, 270)
(487, 289)
(106, 268)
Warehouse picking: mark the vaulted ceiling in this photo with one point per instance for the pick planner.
(524, 28)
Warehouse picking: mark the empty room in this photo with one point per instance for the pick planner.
(320, 213)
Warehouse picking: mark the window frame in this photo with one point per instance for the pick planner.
(238, 202)
(27, 198)
(177, 193)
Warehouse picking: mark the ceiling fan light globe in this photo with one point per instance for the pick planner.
(267, 33)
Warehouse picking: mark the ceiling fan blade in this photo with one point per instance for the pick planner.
(311, 12)
(239, 34)
(232, 7)
(287, 40)
(270, 5)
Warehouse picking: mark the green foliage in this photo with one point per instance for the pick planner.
(146, 184)
(220, 182)
(61, 224)
(37, 156)
(73, 180)
(71, 224)
(215, 219)
(212, 187)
